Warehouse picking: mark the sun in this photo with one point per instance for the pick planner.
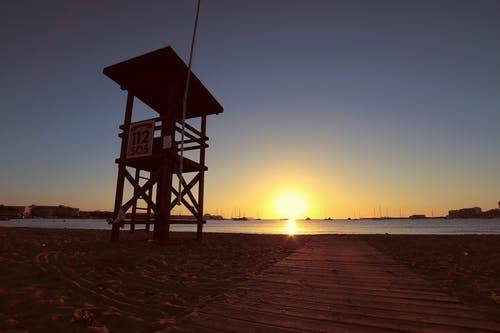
(290, 205)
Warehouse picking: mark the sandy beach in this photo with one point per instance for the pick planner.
(76, 280)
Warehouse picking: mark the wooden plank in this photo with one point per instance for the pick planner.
(271, 322)
(349, 296)
(328, 303)
(173, 221)
(120, 182)
(201, 186)
(134, 206)
(209, 322)
(312, 308)
(382, 288)
(373, 291)
(139, 191)
(165, 181)
(323, 320)
(194, 329)
(315, 290)
(348, 282)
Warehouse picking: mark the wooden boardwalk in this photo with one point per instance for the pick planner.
(338, 285)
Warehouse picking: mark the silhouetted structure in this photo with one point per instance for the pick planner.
(14, 212)
(474, 212)
(54, 211)
(465, 213)
(492, 213)
(150, 149)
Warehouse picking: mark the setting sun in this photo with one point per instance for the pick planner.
(290, 205)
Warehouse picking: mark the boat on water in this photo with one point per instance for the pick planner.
(239, 217)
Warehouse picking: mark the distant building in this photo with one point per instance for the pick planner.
(54, 211)
(492, 213)
(14, 212)
(465, 213)
(417, 216)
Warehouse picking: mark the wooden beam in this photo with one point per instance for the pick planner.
(171, 221)
(194, 130)
(165, 183)
(120, 182)
(155, 119)
(148, 211)
(156, 225)
(190, 194)
(189, 207)
(141, 191)
(185, 203)
(195, 147)
(186, 189)
(201, 186)
(134, 206)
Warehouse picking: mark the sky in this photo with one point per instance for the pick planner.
(356, 108)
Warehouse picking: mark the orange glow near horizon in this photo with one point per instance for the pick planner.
(290, 205)
(300, 191)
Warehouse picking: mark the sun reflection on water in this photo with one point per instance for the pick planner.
(291, 227)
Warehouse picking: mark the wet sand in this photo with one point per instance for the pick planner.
(76, 280)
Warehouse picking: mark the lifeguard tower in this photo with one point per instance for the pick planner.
(157, 152)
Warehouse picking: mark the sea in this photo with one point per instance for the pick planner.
(312, 227)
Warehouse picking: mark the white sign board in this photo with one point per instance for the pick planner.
(140, 139)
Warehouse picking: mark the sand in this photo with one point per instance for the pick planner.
(76, 280)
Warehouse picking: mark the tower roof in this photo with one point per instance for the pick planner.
(158, 79)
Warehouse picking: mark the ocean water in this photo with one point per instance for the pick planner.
(392, 226)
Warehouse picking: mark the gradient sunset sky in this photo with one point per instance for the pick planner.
(360, 107)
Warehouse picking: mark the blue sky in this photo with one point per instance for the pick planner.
(355, 104)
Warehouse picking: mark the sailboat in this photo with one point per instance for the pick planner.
(239, 218)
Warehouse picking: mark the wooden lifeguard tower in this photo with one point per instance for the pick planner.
(157, 152)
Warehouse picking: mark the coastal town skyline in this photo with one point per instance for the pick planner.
(60, 211)
(332, 109)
